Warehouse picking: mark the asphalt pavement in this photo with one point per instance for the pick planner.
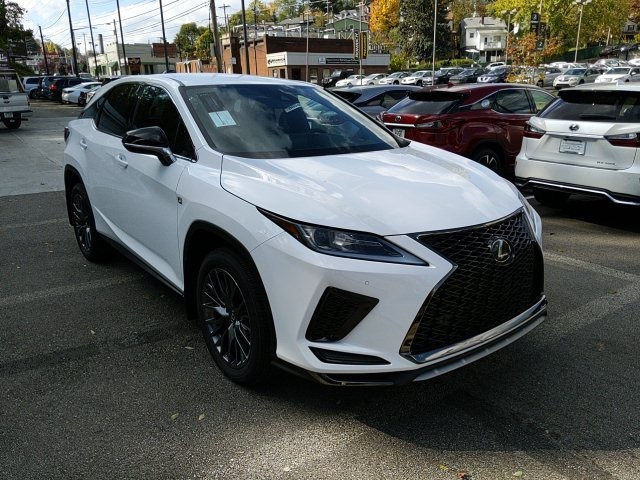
(103, 377)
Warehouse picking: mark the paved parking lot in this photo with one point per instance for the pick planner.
(101, 375)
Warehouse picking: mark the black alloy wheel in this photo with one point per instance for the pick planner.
(91, 244)
(234, 316)
(489, 158)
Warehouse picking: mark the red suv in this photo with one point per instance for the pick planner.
(482, 122)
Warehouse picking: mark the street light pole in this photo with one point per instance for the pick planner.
(433, 54)
(506, 48)
(582, 3)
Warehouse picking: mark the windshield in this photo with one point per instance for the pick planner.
(427, 103)
(575, 71)
(601, 105)
(281, 121)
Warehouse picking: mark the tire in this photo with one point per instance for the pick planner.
(540, 83)
(550, 198)
(13, 123)
(489, 158)
(419, 83)
(234, 316)
(91, 244)
(396, 82)
(32, 94)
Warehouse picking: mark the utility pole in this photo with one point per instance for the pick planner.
(164, 40)
(226, 18)
(246, 42)
(115, 32)
(217, 48)
(124, 53)
(93, 45)
(73, 42)
(44, 51)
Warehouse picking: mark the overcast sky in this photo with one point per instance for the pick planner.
(140, 18)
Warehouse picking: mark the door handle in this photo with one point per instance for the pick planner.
(121, 160)
(83, 144)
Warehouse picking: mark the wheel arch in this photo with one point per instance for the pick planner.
(493, 145)
(201, 238)
(71, 177)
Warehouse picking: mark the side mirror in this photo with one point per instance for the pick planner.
(152, 141)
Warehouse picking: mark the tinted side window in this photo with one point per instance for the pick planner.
(115, 115)
(512, 101)
(156, 109)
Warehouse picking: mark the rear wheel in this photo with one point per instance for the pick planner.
(550, 198)
(489, 158)
(540, 83)
(91, 244)
(12, 123)
(234, 316)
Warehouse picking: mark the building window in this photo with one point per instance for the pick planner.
(471, 34)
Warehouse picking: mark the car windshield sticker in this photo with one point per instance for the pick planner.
(222, 119)
(291, 108)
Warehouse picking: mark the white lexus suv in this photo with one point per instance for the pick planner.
(586, 142)
(301, 232)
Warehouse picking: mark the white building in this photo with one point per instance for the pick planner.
(142, 58)
(483, 38)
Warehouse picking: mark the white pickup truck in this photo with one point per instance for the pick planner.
(14, 102)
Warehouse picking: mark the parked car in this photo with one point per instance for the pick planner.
(393, 78)
(350, 80)
(444, 74)
(586, 142)
(295, 227)
(492, 65)
(576, 76)
(72, 94)
(418, 78)
(468, 75)
(59, 84)
(85, 97)
(373, 79)
(375, 99)
(15, 103)
(483, 122)
(335, 76)
(547, 75)
(619, 75)
(29, 84)
(495, 75)
(42, 90)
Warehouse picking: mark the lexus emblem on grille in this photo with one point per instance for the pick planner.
(501, 250)
(573, 127)
(398, 118)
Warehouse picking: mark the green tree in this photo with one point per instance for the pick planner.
(186, 39)
(13, 36)
(384, 19)
(203, 49)
(416, 29)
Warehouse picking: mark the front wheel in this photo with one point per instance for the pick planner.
(419, 83)
(234, 316)
(91, 244)
(489, 158)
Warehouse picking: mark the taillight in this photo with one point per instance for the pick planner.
(67, 132)
(624, 140)
(533, 132)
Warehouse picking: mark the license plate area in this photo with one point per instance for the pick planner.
(575, 147)
(399, 132)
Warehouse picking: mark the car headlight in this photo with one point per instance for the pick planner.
(535, 222)
(344, 243)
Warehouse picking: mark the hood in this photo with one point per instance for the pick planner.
(405, 190)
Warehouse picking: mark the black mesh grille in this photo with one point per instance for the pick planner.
(480, 293)
(337, 313)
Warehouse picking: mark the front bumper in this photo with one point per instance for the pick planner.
(405, 322)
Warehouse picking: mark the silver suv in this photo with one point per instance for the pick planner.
(585, 142)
